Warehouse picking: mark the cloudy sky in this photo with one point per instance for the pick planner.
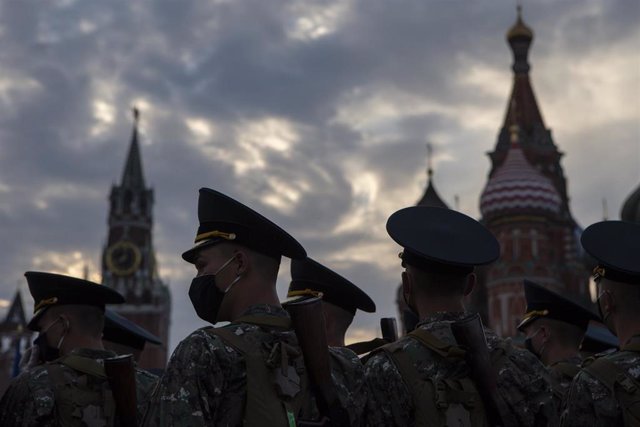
(315, 113)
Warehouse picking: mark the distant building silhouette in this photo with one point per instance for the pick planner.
(129, 261)
(14, 339)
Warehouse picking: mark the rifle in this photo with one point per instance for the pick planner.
(308, 324)
(469, 333)
(389, 335)
(121, 375)
(389, 329)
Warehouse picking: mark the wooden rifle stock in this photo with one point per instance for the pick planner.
(308, 322)
(389, 329)
(469, 333)
(121, 375)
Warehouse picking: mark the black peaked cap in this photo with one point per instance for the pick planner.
(310, 274)
(121, 330)
(442, 240)
(223, 219)
(543, 303)
(48, 290)
(616, 247)
(598, 338)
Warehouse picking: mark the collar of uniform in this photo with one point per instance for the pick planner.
(265, 310)
(92, 353)
(574, 360)
(443, 316)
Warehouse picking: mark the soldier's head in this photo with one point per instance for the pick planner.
(68, 312)
(237, 255)
(124, 336)
(441, 249)
(554, 325)
(340, 297)
(615, 245)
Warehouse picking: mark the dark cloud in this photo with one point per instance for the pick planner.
(358, 104)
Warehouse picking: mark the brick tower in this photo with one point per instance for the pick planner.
(525, 204)
(128, 259)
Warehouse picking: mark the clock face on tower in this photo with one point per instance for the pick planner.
(123, 258)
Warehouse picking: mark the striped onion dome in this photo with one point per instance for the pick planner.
(517, 188)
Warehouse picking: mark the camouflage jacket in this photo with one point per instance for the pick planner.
(562, 374)
(590, 402)
(30, 398)
(205, 382)
(523, 382)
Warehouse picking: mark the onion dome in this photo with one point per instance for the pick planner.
(520, 37)
(519, 29)
(631, 207)
(517, 188)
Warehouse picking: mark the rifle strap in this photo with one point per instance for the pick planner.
(623, 386)
(367, 346)
(264, 407)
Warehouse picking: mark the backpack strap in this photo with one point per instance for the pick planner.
(263, 405)
(566, 369)
(623, 386)
(423, 393)
(436, 401)
(266, 321)
(436, 345)
(632, 346)
(84, 364)
(69, 399)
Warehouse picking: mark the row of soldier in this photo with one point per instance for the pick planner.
(287, 364)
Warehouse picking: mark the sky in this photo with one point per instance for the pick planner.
(314, 113)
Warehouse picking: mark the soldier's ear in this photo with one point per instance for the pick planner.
(243, 262)
(406, 284)
(471, 283)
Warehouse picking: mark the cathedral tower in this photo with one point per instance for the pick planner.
(525, 204)
(128, 259)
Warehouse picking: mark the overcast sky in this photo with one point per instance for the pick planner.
(314, 113)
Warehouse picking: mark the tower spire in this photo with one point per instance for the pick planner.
(429, 161)
(132, 176)
(430, 196)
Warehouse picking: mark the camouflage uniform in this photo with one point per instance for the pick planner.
(522, 382)
(30, 400)
(562, 374)
(205, 382)
(591, 403)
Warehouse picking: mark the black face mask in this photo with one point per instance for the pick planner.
(48, 353)
(205, 296)
(604, 317)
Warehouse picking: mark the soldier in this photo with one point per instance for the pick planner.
(250, 372)
(606, 392)
(598, 339)
(422, 379)
(340, 297)
(554, 327)
(69, 387)
(125, 337)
